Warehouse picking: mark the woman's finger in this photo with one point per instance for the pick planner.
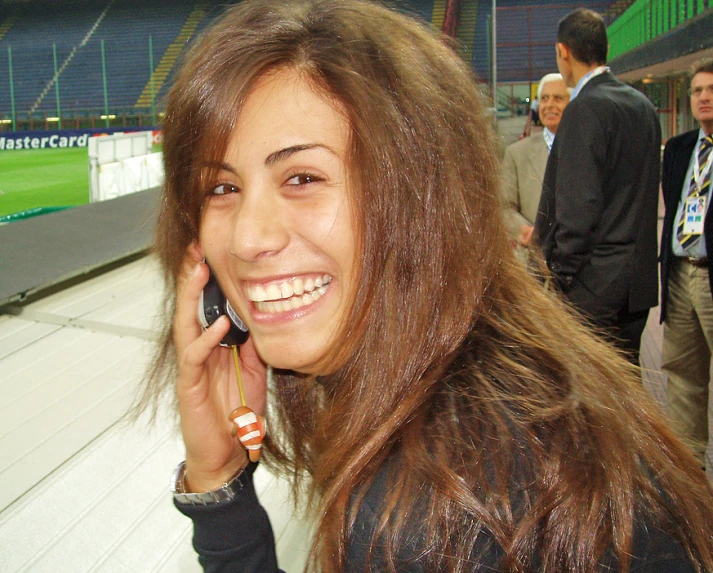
(192, 361)
(188, 266)
(186, 327)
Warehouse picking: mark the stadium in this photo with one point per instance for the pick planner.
(83, 86)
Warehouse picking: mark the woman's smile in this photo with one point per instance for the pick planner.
(277, 225)
(288, 295)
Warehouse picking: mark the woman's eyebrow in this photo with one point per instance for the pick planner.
(288, 151)
(220, 165)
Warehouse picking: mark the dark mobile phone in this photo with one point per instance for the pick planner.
(212, 305)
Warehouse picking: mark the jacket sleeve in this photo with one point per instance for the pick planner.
(234, 536)
(514, 220)
(666, 173)
(579, 188)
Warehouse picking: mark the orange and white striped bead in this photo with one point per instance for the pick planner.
(248, 430)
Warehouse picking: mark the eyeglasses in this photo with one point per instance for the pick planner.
(698, 90)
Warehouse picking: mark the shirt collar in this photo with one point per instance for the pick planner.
(549, 138)
(585, 78)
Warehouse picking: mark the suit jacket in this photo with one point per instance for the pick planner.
(676, 158)
(522, 171)
(599, 206)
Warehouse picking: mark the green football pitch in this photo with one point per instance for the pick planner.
(43, 178)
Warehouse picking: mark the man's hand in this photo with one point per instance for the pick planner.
(524, 237)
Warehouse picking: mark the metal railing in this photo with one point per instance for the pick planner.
(645, 20)
(26, 106)
(79, 117)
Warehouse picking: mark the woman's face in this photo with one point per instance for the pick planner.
(277, 228)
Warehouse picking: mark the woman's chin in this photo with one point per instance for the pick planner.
(285, 358)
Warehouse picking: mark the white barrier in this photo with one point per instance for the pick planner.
(123, 163)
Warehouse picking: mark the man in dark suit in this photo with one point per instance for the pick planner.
(686, 277)
(596, 221)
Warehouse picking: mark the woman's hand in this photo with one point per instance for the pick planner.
(207, 387)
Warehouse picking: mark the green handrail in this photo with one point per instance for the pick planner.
(645, 20)
(27, 214)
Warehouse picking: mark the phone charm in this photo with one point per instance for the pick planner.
(247, 426)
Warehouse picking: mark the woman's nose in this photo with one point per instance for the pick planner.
(258, 227)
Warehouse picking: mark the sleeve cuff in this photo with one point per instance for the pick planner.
(232, 531)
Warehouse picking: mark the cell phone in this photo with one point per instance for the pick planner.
(212, 305)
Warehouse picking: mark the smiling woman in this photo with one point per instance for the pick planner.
(278, 220)
(333, 162)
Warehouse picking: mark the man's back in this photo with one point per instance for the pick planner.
(597, 220)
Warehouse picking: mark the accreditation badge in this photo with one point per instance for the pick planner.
(694, 215)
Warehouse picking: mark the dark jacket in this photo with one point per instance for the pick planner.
(236, 537)
(676, 158)
(597, 217)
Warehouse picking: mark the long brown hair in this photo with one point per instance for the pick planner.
(505, 413)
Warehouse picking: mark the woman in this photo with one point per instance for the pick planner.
(332, 162)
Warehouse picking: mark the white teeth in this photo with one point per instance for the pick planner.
(273, 292)
(289, 295)
(297, 286)
(286, 290)
(257, 293)
(286, 305)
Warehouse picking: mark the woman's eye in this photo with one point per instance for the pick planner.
(303, 179)
(223, 189)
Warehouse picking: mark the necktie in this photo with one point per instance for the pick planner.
(688, 241)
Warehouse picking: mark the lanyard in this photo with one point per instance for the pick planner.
(699, 175)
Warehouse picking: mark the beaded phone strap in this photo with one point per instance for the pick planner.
(247, 427)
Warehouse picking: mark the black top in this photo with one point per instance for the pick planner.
(236, 537)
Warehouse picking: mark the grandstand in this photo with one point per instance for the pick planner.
(93, 57)
(526, 35)
(79, 297)
(108, 63)
(115, 57)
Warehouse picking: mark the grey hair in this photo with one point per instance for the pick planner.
(550, 78)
